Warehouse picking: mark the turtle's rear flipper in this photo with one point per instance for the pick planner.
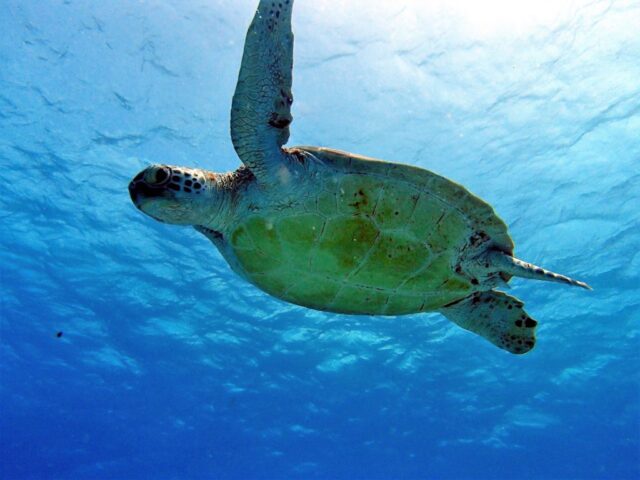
(497, 317)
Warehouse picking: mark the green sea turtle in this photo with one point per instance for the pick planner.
(335, 231)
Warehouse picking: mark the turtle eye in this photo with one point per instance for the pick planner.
(158, 176)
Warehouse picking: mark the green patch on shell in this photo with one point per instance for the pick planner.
(344, 243)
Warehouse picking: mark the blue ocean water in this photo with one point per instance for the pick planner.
(170, 366)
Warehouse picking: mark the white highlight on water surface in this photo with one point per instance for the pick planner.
(494, 16)
(477, 19)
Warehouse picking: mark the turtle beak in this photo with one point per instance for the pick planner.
(149, 183)
(169, 194)
(133, 190)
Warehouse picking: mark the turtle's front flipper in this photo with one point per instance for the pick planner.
(261, 109)
(497, 317)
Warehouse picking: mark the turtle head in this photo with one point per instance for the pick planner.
(177, 195)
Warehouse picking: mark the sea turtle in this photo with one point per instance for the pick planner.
(335, 231)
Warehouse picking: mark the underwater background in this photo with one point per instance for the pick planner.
(170, 366)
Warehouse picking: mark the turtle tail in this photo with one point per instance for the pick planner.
(513, 266)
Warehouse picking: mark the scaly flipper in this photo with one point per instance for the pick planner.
(497, 317)
(261, 108)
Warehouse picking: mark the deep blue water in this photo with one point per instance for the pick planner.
(170, 366)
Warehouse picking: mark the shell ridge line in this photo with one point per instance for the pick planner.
(471, 223)
(314, 248)
(365, 258)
